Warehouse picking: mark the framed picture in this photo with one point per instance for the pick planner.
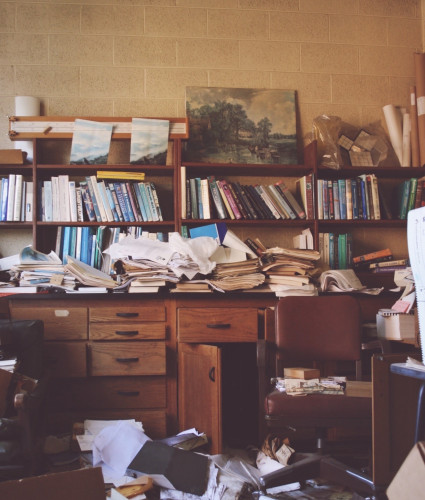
(232, 125)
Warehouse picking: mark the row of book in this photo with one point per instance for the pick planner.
(88, 243)
(411, 194)
(98, 200)
(16, 199)
(336, 250)
(213, 198)
(345, 199)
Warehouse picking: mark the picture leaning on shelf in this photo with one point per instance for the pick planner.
(90, 142)
(149, 141)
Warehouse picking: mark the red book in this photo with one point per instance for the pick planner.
(230, 199)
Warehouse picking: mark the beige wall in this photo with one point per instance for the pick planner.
(135, 57)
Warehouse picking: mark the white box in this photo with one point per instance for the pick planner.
(392, 325)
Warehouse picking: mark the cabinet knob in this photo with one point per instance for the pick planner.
(127, 360)
(221, 326)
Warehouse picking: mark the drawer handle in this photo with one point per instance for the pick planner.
(127, 315)
(211, 374)
(127, 332)
(221, 326)
(128, 393)
(127, 360)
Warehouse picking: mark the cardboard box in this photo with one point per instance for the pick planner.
(12, 156)
(392, 325)
(81, 484)
(299, 372)
(409, 482)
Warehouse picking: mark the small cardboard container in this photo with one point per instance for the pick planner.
(409, 482)
(12, 157)
(81, 484)
(392, 325)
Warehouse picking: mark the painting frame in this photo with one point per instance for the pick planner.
(241, 125)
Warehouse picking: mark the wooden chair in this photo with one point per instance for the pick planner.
(22, 424)
(322, 332)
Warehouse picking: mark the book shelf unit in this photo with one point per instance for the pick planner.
(51, 157)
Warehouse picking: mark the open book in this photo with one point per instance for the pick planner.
(344, 280)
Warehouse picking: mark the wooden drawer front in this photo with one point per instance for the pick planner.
(66, 359)
(154, 421)
(217, 325)
(108, 392)
(142, 313)
(60, 323)
(127, 331)
(125, 358)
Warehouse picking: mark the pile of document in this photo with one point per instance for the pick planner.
(290, 271)
(240, 275)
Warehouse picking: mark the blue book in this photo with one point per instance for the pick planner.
(121, 201)
(93, 199)
(72, 242)
(355, 199)
(145, 201)
(152, 206)
(140, 201)
(5, 190)
(335, 190)
(128, 207)
(112, 204)
(342, 199)
(84, 254)
(199, 198)
(66, 242)
(216, 231)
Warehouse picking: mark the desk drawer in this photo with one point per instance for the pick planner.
(60, 323)
(108, 392)
(127, 331)
(140, 313)
(66, 359)
(217, 324)
(127, 358)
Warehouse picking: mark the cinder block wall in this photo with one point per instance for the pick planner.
(135, 57)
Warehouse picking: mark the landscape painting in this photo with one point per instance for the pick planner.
(234, 125)
(149, 141)
(90, 142)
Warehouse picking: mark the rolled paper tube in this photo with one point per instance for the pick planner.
(393, 120)
(419, 60)
(414, 132)
(406, 141)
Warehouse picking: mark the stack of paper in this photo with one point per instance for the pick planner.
(241, 275)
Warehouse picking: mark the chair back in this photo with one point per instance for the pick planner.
(318, 328)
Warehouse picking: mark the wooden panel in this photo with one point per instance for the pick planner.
(66, 359)
(154, 421)
(200, 395)
(125, 358)
(60, 323)
(108, 392)
(155, 311)
(217, 324)
(126, 331)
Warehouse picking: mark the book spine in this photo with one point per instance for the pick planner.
(188, 201)
(151, 200)
(279, 192)
(143, 192)
(230, 199)
(194, 199)
(290, 198)
(133, 202)
(412, 193)
(48, 203)
(29, 197)
(199, 198)
(104, 200)
(73, 217)
(225, 200)
(335, 194)
(260, 203)
(388, 269)
(88, 203)
(349, 199)
(241, 208)
(11, 197)
(386, 252)
(398, 262)
(370, 197)
(246, 213)
(183, 191)
(96, 194)
(128, 207)
(354, 197)
(93, 199)
(215, 194)
(342, 199)
(79, 198)
(250, 207)
(375, 197)
(261, 191)
(331, 200)
(359, 198)
(111, 203)
(118, 210)
(418, 195)
(4, 198)
(309, 190)
(279, 202)
(156, 200)
(142, 208)
(121, 201)
(18, 198)
(320, 214)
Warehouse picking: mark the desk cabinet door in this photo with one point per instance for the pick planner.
(200, 391)
(66, 359)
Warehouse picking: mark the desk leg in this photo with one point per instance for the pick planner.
(420, 414)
